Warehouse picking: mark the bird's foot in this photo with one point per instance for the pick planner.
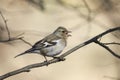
(59, 58)
(47, 62)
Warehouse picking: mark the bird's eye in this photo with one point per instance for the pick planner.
(63, 31)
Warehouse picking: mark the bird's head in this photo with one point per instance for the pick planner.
(62, 32)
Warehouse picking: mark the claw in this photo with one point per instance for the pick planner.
(59, 58)
(47, 63)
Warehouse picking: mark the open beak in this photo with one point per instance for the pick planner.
(68, 34)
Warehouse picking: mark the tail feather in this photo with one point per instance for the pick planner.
(19, 54)
(28, 51)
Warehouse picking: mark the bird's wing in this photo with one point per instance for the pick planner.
(46, 42)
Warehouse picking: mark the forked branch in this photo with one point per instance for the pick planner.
(18, 37)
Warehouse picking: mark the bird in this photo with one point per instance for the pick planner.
(52, 45)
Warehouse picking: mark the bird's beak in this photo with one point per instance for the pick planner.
(69, 33)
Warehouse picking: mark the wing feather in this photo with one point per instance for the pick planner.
(48, 41)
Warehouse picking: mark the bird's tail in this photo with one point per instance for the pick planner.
(19, 54)
(28, 51)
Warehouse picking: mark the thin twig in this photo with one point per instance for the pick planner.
(29, 67)
(11, 39)
(111, 43)
(21, 38)
(26, 42)
(6, 26)
(18, 37)
(107, 48)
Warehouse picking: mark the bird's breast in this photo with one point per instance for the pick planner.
(56, 49)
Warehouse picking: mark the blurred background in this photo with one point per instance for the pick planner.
(38, 18)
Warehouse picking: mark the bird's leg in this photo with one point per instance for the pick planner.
(46, 60)
(59, 58)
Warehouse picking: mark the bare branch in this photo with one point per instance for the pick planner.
(111, 43)
(18, 37)
(12, 39)
(25, 42)
(6, 26)
(94, 39)
(21, 38)
(107, 48)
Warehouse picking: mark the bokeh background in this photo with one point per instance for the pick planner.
(38, 18)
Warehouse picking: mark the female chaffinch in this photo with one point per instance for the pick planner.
(51, 45)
